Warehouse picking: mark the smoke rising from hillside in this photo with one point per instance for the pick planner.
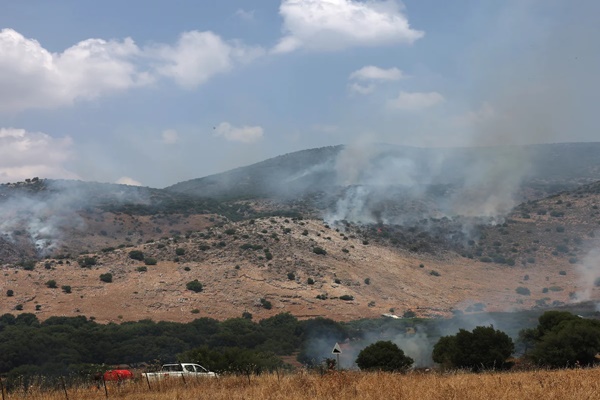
(40, 213)
(385, 183)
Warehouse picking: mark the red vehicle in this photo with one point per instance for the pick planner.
(118, 375)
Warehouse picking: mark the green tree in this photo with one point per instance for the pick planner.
(383, 356)
(106, 277)
(484, 348)
(562, 339)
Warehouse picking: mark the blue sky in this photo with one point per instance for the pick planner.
(155, 92)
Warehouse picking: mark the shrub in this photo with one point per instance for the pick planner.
(106, 277)
(141, 269)
(194, 286)
(523, 291)
(485, 259)
(346, 297)
(87, 262)
(247, 315)
(305, 232)
(434, 273)
(186, 269)
(66, 288)
(560, 229)
(409, 314)
(562, 248)
(383, 356)
(150, 261)
(230, 231)
(180, 251)
(367, 281)
(195, 311)
(322, 296)
(337, 280)
(19, 307)
(136, 255)
(484, 348)
(319, 250)
(573, 260)
(266, 304)
(291, 276)
(51, 284)
(562, 273)
(28, 265)
(10, 293)
(310, 281)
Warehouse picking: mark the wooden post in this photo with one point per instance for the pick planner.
(104, 384)
(2, 388)
(148, 380)
(62, 379)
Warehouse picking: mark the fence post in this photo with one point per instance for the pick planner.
(104, 384)
(2, 388)
(62, 379)
(148, 380)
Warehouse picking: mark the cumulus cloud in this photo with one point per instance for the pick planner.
(125, 180)
(415, 101)
(33, 77)
(197, 56)
(244, 134)
(170, 136)
(26, 154)
(324, 25)
(373, 73)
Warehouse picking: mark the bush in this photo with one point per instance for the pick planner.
(266, 304)
(194, 286)
(230, 231)
(409, 314)
(484, 348)
(87, 262)
(383, 356)
(310, 281)
(562, 273)
(150, 261)
(10, 293)
(106, 277)
(180, 251)
(367, 281)
(291, 276)
(319, 250)
(141, 269)
(434, 273)
(523, 291)
(346, 297)
(136, 255)
(51, 284)
(66, 289)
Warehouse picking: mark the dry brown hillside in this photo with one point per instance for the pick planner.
(276, 259)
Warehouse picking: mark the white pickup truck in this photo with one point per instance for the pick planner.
(186, 370)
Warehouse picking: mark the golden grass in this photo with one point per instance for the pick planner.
(349, 385)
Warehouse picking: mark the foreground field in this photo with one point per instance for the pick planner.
(564, 384)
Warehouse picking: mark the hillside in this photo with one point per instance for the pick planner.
(544, 169)
(369, 247)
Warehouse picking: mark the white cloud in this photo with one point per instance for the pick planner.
(325, 25)
(195, 58)
(33, 77)
(325, 128)
(26, 154)
(244, 134)
(415, 101)
(373, 73)
(361, 89)
(170, 136)
(125, 180)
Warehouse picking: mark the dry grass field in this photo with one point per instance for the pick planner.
(547, 385)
